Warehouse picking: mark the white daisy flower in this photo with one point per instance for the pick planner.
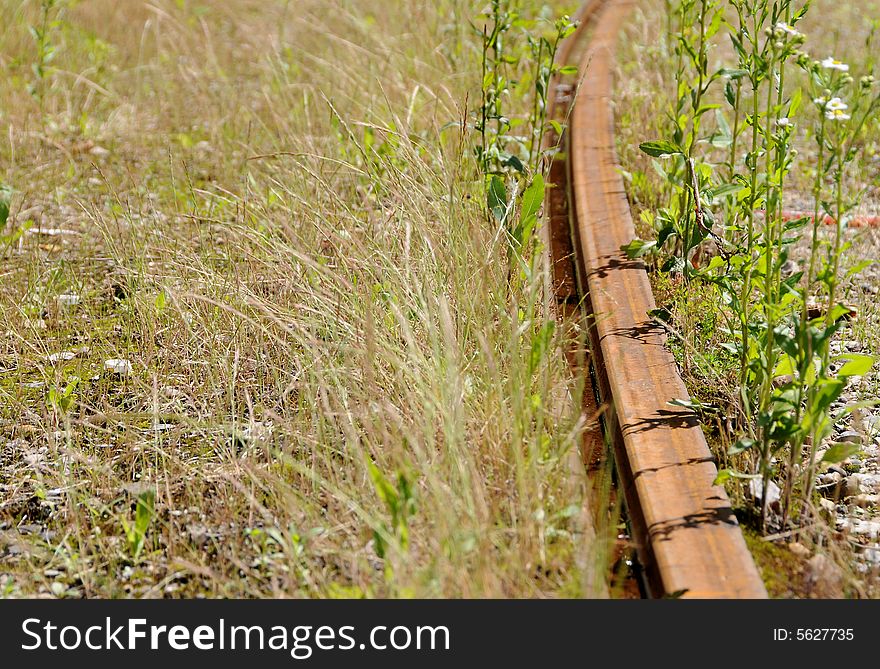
(832, 63)
(836, 104)
(783, 27)
(836, 115)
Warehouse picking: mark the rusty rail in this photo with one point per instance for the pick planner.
(687, 538)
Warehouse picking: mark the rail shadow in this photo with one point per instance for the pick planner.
(648, 332)
(665, 418)
(683, 463)
(615, 264)
(721, 516)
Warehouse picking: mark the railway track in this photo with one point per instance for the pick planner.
(687, 539)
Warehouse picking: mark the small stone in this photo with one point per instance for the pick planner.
(869, 482)
(774, 493)
(851, 485)
(161, 427)
(830, 478)
(828, 507)
(118, 366)
(788, 268)
(831, 485)
(870, 529)
(799, 549)
(850, 437)
(837, 468)
(68, 299)
(866, 501)
(823, 579)
(61, 356)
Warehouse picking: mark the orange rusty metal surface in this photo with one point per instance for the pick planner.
(688, 538)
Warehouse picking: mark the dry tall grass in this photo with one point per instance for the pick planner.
(271, 211)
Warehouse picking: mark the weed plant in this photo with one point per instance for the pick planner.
(725, 163)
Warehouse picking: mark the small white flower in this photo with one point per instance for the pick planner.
(836, 115)
(784, 122)
(832, 63)
(118, 366)
(836, 104)
(783, 27)
(820, 102)
(68, 299)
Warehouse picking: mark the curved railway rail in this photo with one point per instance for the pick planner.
(687, 538)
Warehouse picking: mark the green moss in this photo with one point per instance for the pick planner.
(781, 569)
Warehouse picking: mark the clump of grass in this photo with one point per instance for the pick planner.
(335, 389)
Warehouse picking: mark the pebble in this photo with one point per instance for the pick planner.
(851, 486)
(788, 268)
(828, 507)
(837, 468)
(823, 579)
(869, 529)
(870, 482)
(774, 493)
(866, 501)
(118, 366)
(850, 437)
(799, 549)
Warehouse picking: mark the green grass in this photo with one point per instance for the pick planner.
(274, 215)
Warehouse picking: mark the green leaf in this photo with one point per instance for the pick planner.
(858, 365)
(725, 474)
(741, 446)
(852, 271)
(673, 264)
(146, 505)
(787, 366)
(839, 453)
(732, 73)
(724, 189)
(5, 197)
(161, 301)
(694, 405)
(496, 198)
(515, 163)
(730, 93)
(533, 198)
(638, 247)
(661, 148)
(540, 345)
(384, 490)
